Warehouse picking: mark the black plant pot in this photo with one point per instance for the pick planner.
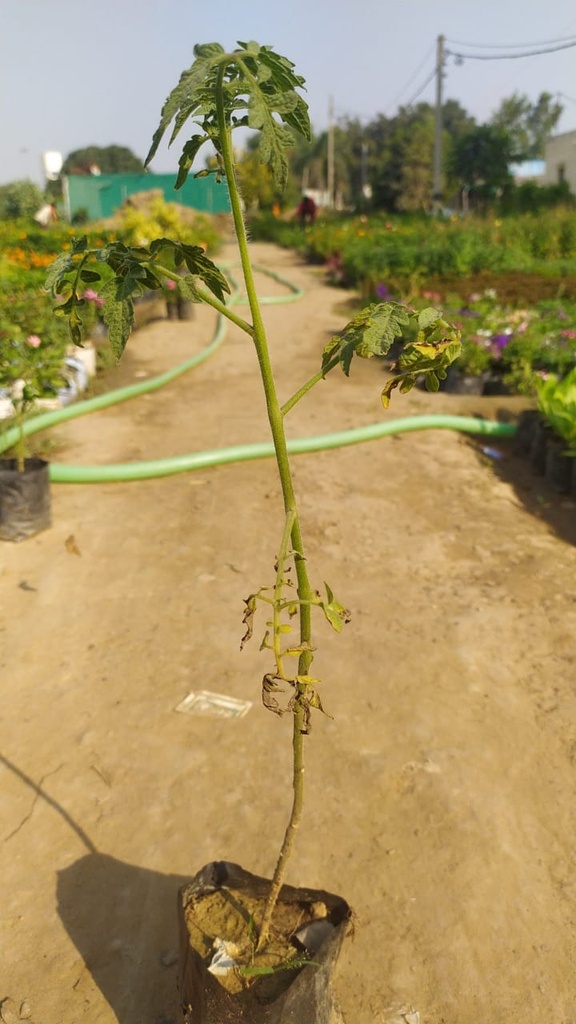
(300, 995)
(559, 466)
(458, 382)
(25, 501)
(181, 309)
(527, 425)
(539, 446)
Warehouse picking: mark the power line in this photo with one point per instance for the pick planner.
(508, 56)
(415, 74)
(510, 46)
(422, 87)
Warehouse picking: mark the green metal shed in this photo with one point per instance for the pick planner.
(100, 195)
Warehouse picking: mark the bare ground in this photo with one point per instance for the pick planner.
(441, 794)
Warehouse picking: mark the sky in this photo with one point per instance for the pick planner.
(75, 73)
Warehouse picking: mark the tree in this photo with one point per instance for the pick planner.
(528, 124)
(19, 199)
(402, 153)
(480, 162)
(108, 160)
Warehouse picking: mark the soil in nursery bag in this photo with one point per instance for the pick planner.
(25, 502)
(224, 978)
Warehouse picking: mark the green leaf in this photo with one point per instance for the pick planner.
(208, 50)
(429, 356)
(188, 96)
(336, 614)
(56, 271)
(118, 315)
(256, 81)
(370, 333)
(426, 317)
(187, 158)
(79, 245)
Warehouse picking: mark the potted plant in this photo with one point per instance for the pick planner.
(31, 368)
(232, 965)
(556, 399)
(470, 372)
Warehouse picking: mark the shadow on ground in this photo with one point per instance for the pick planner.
(513, 467)
(123, 921)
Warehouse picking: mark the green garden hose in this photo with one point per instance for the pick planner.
(243, 453)
(237, 453)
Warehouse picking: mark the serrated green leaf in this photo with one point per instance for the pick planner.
(258, 112)
(200, 265)
(299, 119)
(189, 94)
(187, 158)
(79, 245)
(256, 80)
(118, 315)
(430, 359)
(56, 271)
(370, 333)
(208, 50)
(426, 317)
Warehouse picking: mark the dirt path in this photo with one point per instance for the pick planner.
(441, 795)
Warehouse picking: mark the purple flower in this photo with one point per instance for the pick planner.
(499, 341)
(383, 292)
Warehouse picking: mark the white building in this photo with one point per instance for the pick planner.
(561, 160)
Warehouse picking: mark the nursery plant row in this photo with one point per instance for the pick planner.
(27, 320)
(363, 251)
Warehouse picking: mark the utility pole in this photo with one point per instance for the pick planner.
(331, 154)
(437, 176)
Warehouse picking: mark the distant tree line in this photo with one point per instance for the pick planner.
(383, 165)
(387, 164)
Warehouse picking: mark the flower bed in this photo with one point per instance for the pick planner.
(26, 311)
(510, 284)
(369, 249)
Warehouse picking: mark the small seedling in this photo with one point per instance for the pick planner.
(254, 87)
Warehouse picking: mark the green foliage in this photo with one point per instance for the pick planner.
(109, 160)
(251, 87)
(557, 402)
(31, 364)
(160, 219)
(135, 271)
(431, 345)
(370, 333)
(19, 199)
(480, 160)
(528, 124)
(531, 198)
(256, 88)
(375, 249)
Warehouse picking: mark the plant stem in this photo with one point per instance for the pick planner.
(291, 402)
(304, 590)
(208, 298)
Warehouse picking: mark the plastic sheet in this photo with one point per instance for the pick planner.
(25, 500)
(307, 997)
